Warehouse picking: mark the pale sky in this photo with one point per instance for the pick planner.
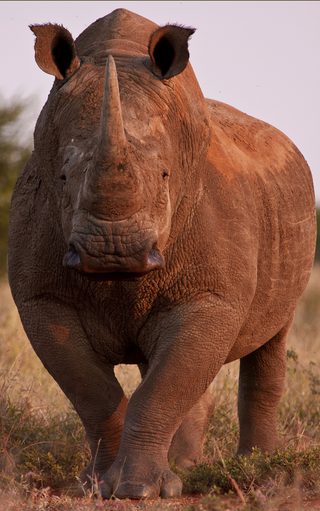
(261, 57)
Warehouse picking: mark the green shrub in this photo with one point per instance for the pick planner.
(39, 450)
(256, 470)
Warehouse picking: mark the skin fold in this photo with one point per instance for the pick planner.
(152, 226)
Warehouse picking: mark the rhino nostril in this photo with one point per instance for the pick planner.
(72, 258)
(155, 259)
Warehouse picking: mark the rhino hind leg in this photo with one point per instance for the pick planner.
(261, 383)
(187, 444)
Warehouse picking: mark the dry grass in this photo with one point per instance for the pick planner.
(42, 446)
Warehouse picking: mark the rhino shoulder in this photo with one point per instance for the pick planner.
(246, 145)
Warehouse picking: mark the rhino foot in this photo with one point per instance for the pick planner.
(122, 483)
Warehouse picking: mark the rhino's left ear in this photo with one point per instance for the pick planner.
(168, 50)
(55, 51)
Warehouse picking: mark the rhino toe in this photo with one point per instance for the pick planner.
(171, 485)
(149, 484)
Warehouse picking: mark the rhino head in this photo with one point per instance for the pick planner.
(123, 132)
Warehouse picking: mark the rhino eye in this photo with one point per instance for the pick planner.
(63, 178)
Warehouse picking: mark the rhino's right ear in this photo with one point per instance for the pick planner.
(168, 50)
(55, 51)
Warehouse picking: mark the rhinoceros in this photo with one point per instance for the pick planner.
(152, 226)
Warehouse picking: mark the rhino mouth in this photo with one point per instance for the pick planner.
(112, 276)
(116, 250)
(113, 266)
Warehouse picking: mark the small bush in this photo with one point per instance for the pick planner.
(38, 449)
(256, 470)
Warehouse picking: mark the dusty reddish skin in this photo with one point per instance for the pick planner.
(224, 201)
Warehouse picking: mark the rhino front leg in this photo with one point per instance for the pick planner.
(57, 336)
(191, 344)
(187, 444)
(261, 382)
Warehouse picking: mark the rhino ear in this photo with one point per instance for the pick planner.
(55, 51)
(168, 50)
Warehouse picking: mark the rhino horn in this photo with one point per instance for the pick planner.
(112, 143)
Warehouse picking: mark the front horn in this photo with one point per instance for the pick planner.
(112, 143)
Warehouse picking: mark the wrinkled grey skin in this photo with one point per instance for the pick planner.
(154, 227)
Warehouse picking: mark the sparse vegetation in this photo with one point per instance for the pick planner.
(43, 448)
